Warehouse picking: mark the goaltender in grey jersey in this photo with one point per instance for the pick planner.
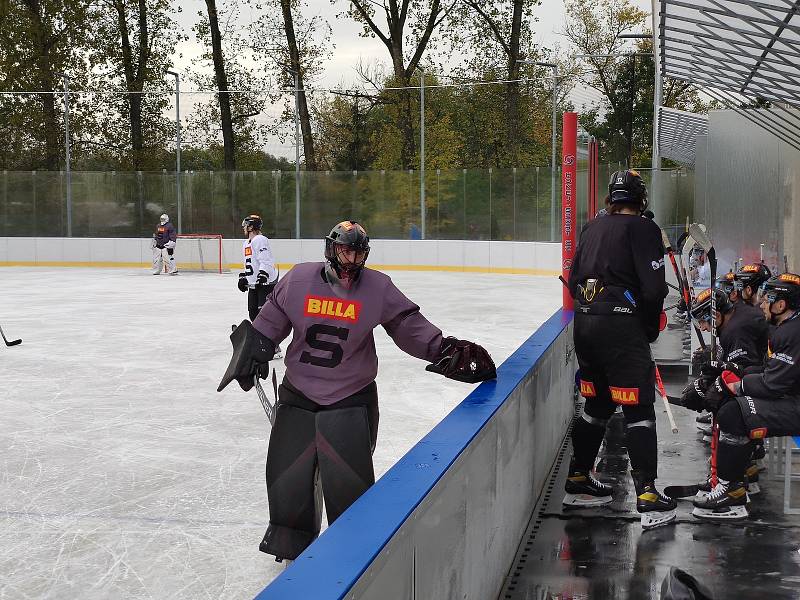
(326, 419)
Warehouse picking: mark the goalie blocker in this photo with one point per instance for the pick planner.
(326, 420)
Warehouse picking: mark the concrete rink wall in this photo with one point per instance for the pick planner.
(522, 258)
(445, 521)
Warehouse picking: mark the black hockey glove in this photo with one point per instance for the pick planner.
(700, 357)
(252, 352)
(725, 387)
(693, 396)
(714, 369)
(242, 283)
(262, 279)
(463, 361)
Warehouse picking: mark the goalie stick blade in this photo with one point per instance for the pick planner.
(681, 491)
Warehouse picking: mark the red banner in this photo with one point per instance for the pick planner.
(569, 192)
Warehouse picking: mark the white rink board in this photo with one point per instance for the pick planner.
(124, 473)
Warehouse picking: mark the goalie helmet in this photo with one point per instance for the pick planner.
(346, 250)
(253, 221)
(627, 187)
(753, 275)
(701, 306)
(164, 219)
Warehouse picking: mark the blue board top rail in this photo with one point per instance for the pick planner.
(337, 559)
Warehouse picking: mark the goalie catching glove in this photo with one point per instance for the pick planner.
(463, 361)
(252, 352)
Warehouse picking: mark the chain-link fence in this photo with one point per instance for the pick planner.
(469, 204)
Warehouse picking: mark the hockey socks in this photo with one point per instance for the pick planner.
(655, 508)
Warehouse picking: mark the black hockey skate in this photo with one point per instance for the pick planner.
(726, 502)
(751, 479)
(655, 508)
(582, 489)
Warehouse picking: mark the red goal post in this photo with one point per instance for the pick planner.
(201, 253)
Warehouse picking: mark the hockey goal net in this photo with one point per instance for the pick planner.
(201, 253)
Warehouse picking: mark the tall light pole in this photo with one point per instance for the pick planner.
(297, 154)
(177, 144)
(554, 139)
(422, 152)
(66, 154)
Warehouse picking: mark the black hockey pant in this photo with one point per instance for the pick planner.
(316, 451)
(745, 420)
(616, 369)
(256, 296)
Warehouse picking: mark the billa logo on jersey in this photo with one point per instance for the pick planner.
(624, 395)
(758, 434)
(750, 269)
(161, 229)
(332, 308)
(248, 251)
(790, 278)
(587, 389)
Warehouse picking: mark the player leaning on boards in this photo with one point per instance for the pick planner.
(326, 425)
(260, 274)
(756, 405)
(164, 239)
(617, 281)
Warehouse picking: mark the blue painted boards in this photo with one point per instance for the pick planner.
(332, 565)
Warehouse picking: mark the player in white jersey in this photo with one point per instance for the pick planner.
(260, 273)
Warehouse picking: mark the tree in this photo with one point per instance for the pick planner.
(504, 24)
(221, 78)
(292, 43)
(409, 27)
(39, 40)
(135, 42)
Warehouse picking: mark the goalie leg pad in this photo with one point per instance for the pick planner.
(293, 490)
(344, 449)
(158, 260)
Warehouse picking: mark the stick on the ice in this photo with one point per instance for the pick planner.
(12, 342)
(663, 392)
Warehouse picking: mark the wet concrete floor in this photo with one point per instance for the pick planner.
(602, 553)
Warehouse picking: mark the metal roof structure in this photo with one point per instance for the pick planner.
(743, 53)
(677, 134)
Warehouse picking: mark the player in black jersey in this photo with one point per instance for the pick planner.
(617, 281)
(755, 406)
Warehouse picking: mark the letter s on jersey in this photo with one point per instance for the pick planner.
(332, 308)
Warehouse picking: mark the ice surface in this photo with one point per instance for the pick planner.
(125, 475)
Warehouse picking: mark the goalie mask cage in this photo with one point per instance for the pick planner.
(201, 253)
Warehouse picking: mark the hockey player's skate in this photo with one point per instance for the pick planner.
(655, 508)
(751, 479)
(726, 502)
(584, 490)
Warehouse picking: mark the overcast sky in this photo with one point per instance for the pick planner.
(350, 48)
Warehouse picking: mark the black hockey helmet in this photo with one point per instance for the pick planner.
(782, 287)
(253, 221)
(701, 305)
(726, 283)
(347, 235)
(627, 187)
(753, 275)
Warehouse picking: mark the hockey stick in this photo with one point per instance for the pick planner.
(684, 291)
(12, 342)
(663, 392)
(701, 238)
(269, 407)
